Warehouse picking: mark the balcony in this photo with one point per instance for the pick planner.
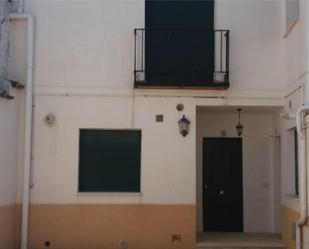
(181, 58)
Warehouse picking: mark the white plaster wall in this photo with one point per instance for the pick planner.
(257, 47)
(91, 43)
(55, 149)
(297, 75)
(306, 238)
(85, 43)
(259, 184)
(288, 198)
(276, 171)
(168, 159)
(295, 47)
(84, 49)
(88, 46)
(292, 102)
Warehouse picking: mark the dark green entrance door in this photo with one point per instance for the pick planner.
(222, 185)
(179, 47)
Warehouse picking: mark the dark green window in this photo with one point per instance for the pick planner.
(109, 160)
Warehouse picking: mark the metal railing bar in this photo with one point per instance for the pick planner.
(135, 66)
(219, 75)
(221, 59)
(182, 29)
(227, 58)
(143, 49)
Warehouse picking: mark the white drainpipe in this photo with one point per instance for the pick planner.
(300, 119)
(28, 126)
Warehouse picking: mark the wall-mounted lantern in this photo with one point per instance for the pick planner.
(184, 125)
(239, 127)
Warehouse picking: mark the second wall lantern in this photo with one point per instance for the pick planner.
(184, 125)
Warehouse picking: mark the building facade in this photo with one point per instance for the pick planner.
(111, 80)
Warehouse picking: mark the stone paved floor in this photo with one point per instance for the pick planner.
(238, 240)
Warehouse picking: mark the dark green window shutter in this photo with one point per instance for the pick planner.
(109, 160)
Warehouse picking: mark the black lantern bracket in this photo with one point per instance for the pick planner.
(239, 127)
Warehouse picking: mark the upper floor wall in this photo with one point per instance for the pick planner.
(257, 45)
(91, 43)
(296, 38)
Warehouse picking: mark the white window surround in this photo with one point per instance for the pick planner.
(109, 194)
(108, 198)
(292, 197)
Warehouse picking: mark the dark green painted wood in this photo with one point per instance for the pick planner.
(222, 185)
(109, 160)
(179, 42)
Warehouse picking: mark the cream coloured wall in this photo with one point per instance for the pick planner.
(85, 49)
(306, 237)
(85, 43)
(296, 48)
(91, 43)
(84, 75)
(168, 159)
(297, 92)
(292, 102)
(55, 150)
(167, 170)
(261, 204)
(257, 49)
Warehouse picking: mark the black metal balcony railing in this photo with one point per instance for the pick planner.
(181, 58)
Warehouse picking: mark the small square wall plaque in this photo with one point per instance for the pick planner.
(159, 118)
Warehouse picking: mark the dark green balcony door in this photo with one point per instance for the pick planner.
(179, 42)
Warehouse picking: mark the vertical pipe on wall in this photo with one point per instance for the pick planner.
(28, 126)
(300, 119)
